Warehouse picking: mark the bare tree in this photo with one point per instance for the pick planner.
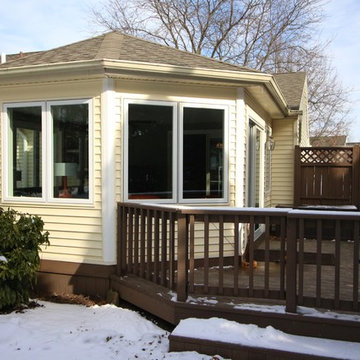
(268, 35)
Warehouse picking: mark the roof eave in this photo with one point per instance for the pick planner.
(62, 66)
(242, 77)
(101, 65)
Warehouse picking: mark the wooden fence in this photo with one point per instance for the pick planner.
(326, 176)
(157, 243)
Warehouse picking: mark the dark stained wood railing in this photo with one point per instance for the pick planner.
(330, 279)
(197, 250)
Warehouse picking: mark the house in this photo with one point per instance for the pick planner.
(327, 141)
(117, 118)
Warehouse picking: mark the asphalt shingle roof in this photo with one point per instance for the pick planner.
(292, 87)
(119, 46)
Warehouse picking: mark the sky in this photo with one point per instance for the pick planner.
(110, 332)
(342, 26)
(44, 24)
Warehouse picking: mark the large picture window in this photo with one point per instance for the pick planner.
(150, 151)
(48, 150)
(175, 157)
(70, 150)
(203, 153)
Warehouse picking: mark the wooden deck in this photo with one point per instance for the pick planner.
(161, 270)
(162, 302)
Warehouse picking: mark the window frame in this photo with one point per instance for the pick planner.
(172, 104)
(177, 156)
(46, 152)
(223, 199)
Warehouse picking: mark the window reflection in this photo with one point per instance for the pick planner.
(203, 154)
(25, 152)
(71, 150)
(150, 151)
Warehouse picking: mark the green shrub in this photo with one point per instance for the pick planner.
(20, 238)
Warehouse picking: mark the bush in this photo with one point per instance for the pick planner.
(20, 238)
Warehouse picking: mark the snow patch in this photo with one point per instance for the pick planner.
(63, 331)
(251, 335)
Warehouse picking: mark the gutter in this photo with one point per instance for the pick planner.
(34, 69)
(253, 78)
(278, 97)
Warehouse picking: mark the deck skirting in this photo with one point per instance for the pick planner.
(63, 277)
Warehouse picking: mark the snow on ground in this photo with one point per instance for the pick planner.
(75, 332)
(270, 338)
(278, 309)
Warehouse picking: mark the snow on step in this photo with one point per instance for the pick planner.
(216, 329)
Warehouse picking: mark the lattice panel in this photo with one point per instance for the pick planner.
(326, 156)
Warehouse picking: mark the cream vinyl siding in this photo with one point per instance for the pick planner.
(75, 230)
(284, 133)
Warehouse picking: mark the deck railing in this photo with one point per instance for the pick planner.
(200, 250)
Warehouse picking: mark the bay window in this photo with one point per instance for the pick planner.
(47, 151)
(175, 152)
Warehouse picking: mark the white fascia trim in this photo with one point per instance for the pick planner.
(61, 66)
(108, 171)
(244, 77)
(240, 147)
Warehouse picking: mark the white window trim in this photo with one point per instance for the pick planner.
(177, 158)
(50, 157)
(126, 103)
(224, 199)
(6, 150)
(47, 153)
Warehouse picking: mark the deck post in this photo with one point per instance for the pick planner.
(291, 264)
(121, 246)
(356, 176)
(123, 240)
(297, 176)
(182, 260)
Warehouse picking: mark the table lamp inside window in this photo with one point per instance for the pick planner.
(65, 170)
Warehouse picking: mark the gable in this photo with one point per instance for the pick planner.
(292, 87)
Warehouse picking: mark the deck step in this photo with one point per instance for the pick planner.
(246, 341)
(162, 302)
